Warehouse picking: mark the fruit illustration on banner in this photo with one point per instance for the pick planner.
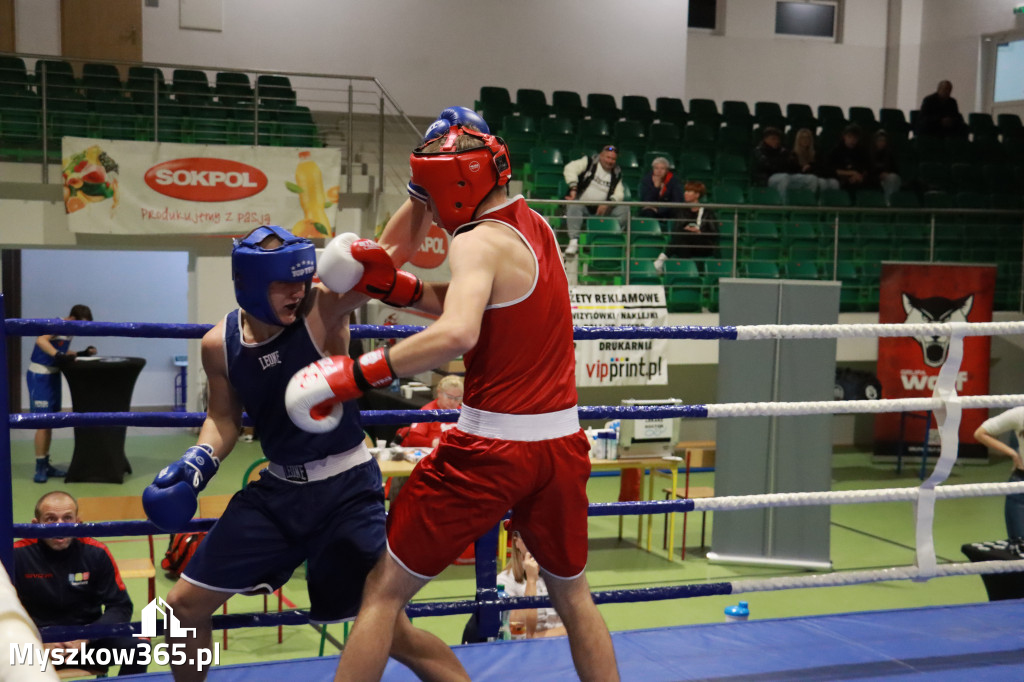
(309, 185)
(89, 177)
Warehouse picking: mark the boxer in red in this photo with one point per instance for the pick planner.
(518, 444)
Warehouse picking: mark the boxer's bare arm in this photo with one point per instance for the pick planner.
(328, 318)
(405, 231)
(474, 259)
(224, 409)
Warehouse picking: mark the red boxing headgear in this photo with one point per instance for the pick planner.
(458, 181)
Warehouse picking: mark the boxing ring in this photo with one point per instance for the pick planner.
(983, 641)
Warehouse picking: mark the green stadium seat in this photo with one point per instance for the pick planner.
(801, 116)
(594, 133)
(737, 113)
(637, 108)
(494, 104)
(683, 286)
(532, 102)
(671, 110)
(700, 138)
(646, 239)
(1010, 126)
(831, 116)
(557, 132)
(642, 271)
(567, 104)
(602, 105)
(630, 134)
(705, 112)
(769, 114)
(761, 269)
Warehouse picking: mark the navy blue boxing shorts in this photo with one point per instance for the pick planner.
(273, 525)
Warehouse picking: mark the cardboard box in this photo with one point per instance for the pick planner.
(702, 453)
(454, 367)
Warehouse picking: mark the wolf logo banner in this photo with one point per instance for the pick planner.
(908, 367)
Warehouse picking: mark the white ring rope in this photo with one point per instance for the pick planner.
(829, 497)
(873, 576)
(849, 331)
(785, 409)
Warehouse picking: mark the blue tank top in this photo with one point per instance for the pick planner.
(40, 356)
(260, 374)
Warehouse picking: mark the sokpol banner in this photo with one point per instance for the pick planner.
(908, 366)
(123, 187)
(627, 362)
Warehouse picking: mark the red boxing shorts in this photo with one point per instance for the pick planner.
(466, 486)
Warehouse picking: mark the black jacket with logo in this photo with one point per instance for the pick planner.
(71, 586)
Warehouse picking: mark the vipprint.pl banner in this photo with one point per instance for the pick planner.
(626, 362)
(127, 187)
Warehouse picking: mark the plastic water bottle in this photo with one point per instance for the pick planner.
(737, 613)
(504, 632)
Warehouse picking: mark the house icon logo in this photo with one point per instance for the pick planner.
(172, 628)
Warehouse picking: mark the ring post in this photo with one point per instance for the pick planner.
(6, 489)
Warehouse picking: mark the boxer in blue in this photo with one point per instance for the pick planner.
(320, 499)
(44, 386)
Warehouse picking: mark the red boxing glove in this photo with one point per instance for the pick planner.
(315, 393)
(380, 277)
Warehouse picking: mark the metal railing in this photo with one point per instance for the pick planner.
(198, 104)
(803, 242)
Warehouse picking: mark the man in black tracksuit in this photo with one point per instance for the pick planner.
(73, 581)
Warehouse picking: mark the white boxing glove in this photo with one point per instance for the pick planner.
(308, 389)
(336, 267)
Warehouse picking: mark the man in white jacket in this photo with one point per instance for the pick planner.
(597, 178)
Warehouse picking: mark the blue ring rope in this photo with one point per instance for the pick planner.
(63, 633)
(156, 330)
(49, 420)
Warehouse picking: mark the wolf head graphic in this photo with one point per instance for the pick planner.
(935, 309)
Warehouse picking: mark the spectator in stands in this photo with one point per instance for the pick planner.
(1011, 421)
(447, 396)
(775, 167)
(698, 237)
(73, 581)
(522, 578)
(806, 162)
(884, 171)
(661, 186)
(940, 116)
(593, 178)
(849, 160)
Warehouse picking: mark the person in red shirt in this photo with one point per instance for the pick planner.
(447, 396)
(518, 444)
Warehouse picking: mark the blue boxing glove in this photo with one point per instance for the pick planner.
(171, 499)
(455, 116)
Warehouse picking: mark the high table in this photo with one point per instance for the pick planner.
(998, 585)
(101, 384)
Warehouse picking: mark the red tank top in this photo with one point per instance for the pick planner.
(524, 361)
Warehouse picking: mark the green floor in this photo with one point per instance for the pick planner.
(864, 536)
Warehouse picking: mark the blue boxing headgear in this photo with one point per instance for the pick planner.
(253, 268)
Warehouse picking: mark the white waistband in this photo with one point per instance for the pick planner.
(319, 469)
(36, 368)
(524, 427)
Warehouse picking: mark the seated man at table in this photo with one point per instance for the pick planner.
(447, 396)
(74, 581)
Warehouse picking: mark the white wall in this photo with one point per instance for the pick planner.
(119, 286)
(432, 55)
(750, 63)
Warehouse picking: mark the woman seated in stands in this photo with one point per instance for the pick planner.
(522, 578)
(806, 162)
(697, 235)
